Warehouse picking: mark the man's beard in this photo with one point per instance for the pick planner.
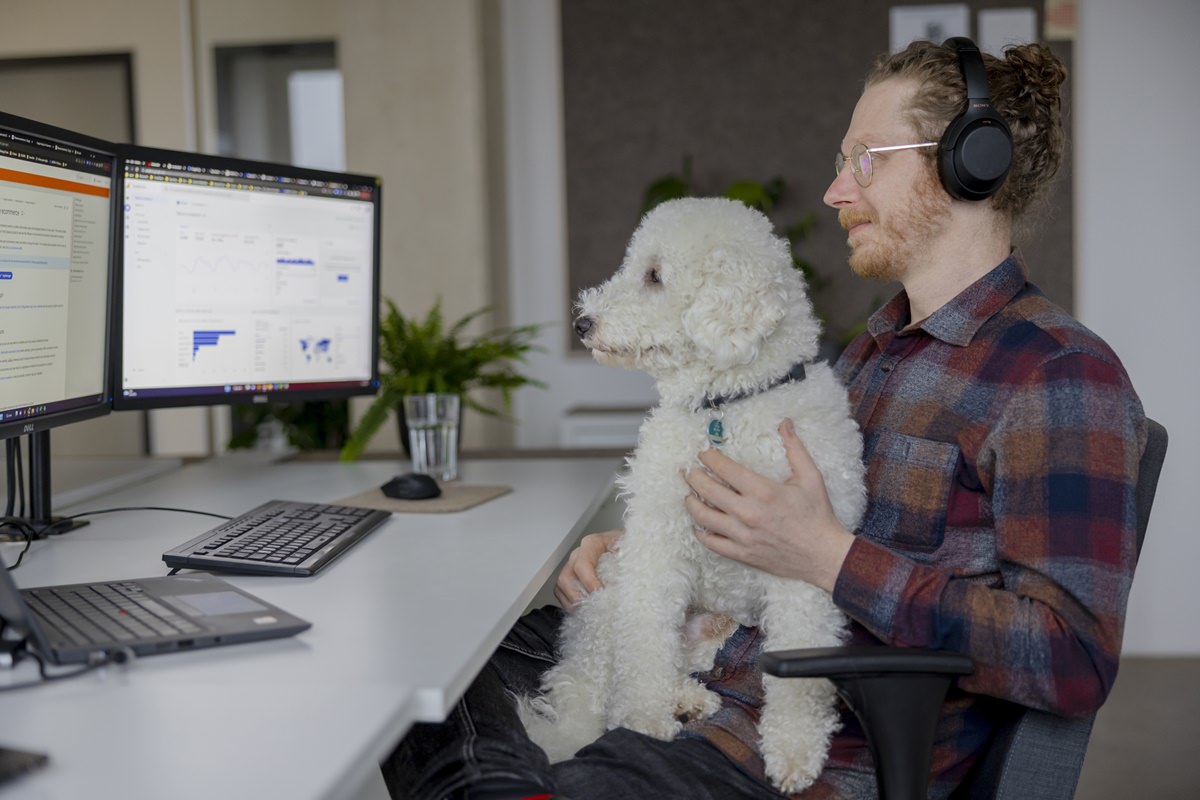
(897, 244)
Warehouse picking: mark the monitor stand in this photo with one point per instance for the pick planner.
(40, 522)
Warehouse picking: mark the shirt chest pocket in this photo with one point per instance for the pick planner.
(908, 490)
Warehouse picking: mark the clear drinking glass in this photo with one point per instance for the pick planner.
(432, 421)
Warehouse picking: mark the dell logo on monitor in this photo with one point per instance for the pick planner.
(28, 428)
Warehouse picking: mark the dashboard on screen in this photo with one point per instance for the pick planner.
(243, 281)
(55, 254)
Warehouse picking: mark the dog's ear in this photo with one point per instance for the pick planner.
(735, 309)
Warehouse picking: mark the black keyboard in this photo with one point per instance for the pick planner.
(282, 537)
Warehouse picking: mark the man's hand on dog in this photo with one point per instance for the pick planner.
(786, 529)
(578, 576)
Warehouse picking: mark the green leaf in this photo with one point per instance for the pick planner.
(387, 399)
(762, 196)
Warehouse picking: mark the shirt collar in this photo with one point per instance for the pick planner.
(959, 320)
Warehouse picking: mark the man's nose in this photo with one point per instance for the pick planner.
(842, 190)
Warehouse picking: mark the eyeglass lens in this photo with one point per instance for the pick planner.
(860, 163)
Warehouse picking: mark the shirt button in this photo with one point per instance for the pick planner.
(886, 366)
(719, 673)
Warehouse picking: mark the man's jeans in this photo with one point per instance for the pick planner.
(482, 739)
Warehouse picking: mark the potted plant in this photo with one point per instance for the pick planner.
(424, 356)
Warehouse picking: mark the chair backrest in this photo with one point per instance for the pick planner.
(1038, 756)
(1148, 471)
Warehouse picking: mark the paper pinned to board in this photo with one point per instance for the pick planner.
(937, 23)
(1001, 27)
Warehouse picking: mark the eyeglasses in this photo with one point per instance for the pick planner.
(862, 159)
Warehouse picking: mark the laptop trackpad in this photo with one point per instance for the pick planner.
(215, 604)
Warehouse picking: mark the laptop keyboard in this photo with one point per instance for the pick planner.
(282, 537)
(106, 612)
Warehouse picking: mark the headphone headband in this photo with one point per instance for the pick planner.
(971, 63)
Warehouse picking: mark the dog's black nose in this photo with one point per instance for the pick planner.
(583, 326)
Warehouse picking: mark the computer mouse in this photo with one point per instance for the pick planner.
(412, 486)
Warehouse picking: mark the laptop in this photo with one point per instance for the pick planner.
(78, 623)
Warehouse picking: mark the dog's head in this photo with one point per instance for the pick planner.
(705, 285)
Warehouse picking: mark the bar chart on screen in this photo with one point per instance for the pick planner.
(207, 338)
(212, 348)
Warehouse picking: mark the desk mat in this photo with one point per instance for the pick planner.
(454, 497)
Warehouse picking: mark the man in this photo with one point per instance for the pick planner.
(1002, 440)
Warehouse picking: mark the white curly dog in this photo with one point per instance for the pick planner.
(707, 302)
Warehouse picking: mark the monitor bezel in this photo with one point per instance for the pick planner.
(84, 407)
(122, 402)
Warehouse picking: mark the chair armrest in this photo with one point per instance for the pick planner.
(864, 661)
(897, 695)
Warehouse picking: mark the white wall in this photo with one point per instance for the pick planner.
(415, 115)
(1135, 90)
(537, 205)
(1137, 111)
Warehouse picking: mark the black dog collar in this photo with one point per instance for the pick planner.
(794, 375)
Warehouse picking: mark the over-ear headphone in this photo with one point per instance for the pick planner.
(975, 152)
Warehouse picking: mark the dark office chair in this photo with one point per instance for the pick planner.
(897, 693)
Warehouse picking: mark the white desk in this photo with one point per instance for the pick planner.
(401, 624)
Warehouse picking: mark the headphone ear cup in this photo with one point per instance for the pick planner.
(974, 156)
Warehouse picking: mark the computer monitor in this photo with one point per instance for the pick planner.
(243, 281)
(55, 283)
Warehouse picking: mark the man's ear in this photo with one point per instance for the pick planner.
(734, 311)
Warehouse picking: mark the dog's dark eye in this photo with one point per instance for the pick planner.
(653, 277)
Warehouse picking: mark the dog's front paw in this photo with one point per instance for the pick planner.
(791, 768)
(794, 740)
(694, 700)
(797, 724)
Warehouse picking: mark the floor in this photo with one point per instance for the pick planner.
(1146, 743)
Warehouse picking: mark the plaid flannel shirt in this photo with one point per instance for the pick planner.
(1002, 441)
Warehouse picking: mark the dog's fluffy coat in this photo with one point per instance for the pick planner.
(708, 302)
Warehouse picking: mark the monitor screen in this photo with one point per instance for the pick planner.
(55, 258)
(243, 281)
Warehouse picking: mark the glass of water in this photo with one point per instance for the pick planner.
(432, 421)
